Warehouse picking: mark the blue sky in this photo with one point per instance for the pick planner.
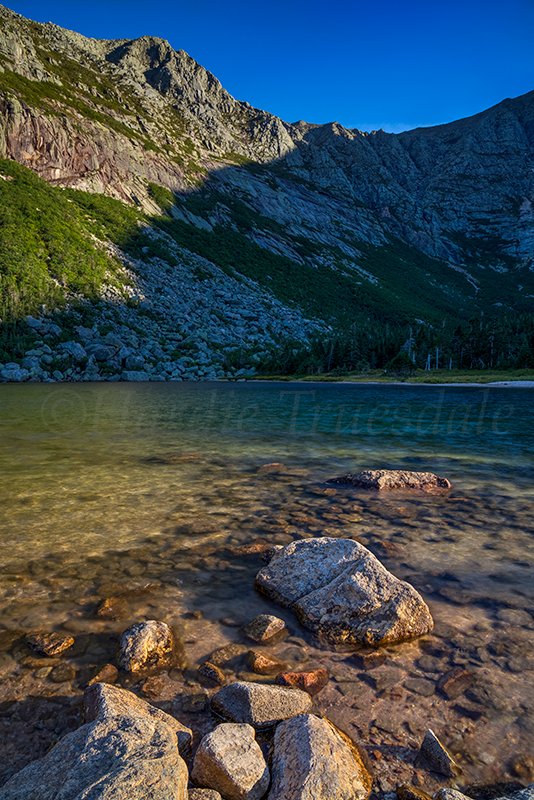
(392, 65)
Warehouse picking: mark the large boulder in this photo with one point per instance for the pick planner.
(102, 701)
(121, 758)
(342, 592)
(313, 760)
(230, 760)
(387, 479)
(259, 705)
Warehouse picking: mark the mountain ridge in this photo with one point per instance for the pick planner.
(428, 226)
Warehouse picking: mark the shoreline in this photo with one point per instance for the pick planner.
(518, 384)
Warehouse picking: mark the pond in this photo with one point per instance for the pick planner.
(158, 494)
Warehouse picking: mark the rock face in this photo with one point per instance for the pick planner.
(102, 701)
(313, 760)
(339, 590)
(259, 705)
(147, 646)
(230, 761)
(388, 479)
(124, 753)
(445, 190)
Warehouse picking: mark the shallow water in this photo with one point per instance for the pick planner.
(108, 488)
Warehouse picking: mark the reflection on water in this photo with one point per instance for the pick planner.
(154, 493)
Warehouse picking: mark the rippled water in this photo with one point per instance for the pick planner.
(154, 492)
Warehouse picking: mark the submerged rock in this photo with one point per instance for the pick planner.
(313, 759)
(264, 627)
(230, 760)
(259, 705)
(342, 592)
(50, 644)
(311, 682)
(387, 479)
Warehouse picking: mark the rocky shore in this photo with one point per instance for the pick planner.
(272, 733)
(205, 325)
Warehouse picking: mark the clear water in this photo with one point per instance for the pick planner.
(105, 488)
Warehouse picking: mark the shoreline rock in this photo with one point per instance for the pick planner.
(341, 591)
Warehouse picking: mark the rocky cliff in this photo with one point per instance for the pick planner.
(431, 223)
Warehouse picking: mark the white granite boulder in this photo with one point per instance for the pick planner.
(342, 592)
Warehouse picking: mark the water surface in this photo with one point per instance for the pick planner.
(155, 492)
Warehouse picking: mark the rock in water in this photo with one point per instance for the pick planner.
(438, 756)
(313, 759)
(264, 627)
(230, 760)
(342, 592)
(147, 646)
(386, 479)
(102, 702)
(259, 705)
(50, 644)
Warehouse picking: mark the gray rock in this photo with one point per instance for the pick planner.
(32, 322)
(387, 479)
(30, 362)
(230, 760)
(120, 758)
(133, 375)
(147, 646)
(75, 350)
(14, 374)
(135, 362)
(204, 794)
(313, 759)
(438, 756)
(103, 701)
(259, 705)
(342, 592)
(101, 352)
(449, 794)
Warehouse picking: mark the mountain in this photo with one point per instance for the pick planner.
(427, 227)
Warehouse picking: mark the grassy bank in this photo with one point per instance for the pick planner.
(421, 376)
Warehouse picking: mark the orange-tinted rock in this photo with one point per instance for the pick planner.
(275, 467)
(264, 664)
(311, 682)
(369, 660)
(49, 644)
(108, 674)
(454, 682)
(112, 608)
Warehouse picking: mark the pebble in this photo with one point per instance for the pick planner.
(369, 660)
(264, 663)
(420, 686)
(212, 674)
(311, 682)
(454, 682)
(264, 627)
(49, 644)
(106, 674)
(62, 673)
